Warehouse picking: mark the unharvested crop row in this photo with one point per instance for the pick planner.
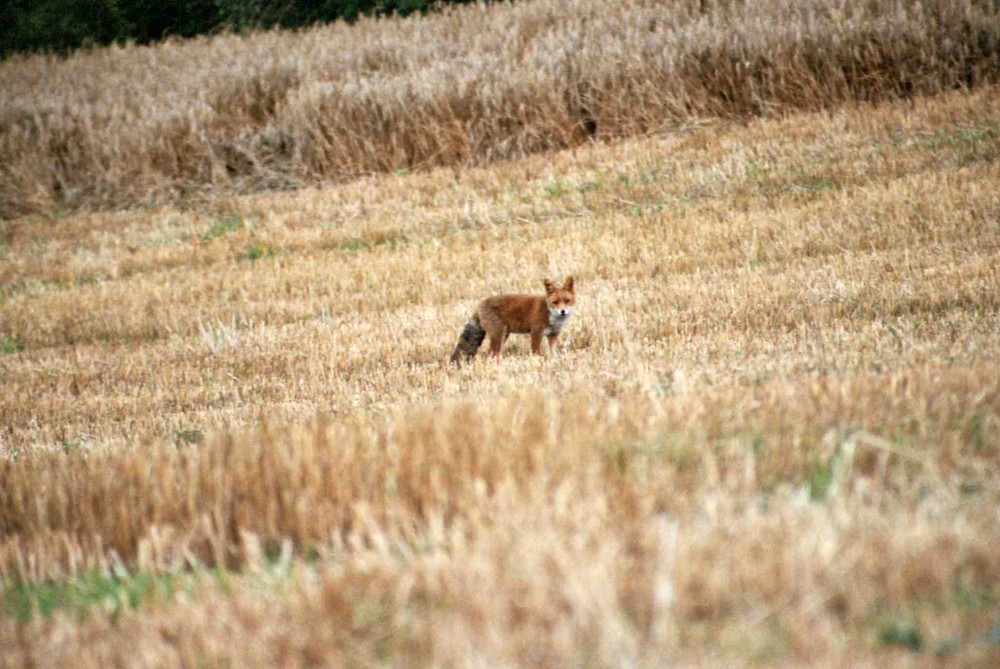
(132, 125)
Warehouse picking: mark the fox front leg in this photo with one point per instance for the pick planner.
(536, 342)
(552, 342)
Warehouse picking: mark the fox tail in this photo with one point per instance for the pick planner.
(469, 341)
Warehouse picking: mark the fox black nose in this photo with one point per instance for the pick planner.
(562, 312)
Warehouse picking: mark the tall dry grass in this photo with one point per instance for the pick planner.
(130, 125)
(771, 436)
(546, 530)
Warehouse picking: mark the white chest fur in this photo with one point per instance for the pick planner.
(556, 324)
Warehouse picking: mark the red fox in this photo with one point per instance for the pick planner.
(500, 315)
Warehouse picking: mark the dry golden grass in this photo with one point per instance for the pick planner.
(131, 125)
(772, 435)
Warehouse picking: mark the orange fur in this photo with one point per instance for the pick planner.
(499, 316)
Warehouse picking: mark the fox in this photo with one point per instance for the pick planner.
(536, 315)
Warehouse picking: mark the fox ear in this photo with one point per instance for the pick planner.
(568, 283)
(549, 287)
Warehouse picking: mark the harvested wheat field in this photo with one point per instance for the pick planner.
(770, 436)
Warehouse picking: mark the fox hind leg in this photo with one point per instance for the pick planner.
(497, 339)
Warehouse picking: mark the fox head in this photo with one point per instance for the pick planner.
(560, 299)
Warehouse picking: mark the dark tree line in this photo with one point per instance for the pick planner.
(61, 25)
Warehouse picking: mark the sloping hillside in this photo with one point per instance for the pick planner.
(772, 435)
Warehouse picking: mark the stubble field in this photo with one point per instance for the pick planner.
(771, 434)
